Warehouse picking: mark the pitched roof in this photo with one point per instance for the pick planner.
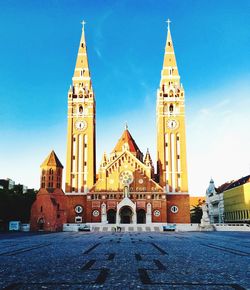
(223, 187)
(126, 138)
(239, 182)
(52, 160)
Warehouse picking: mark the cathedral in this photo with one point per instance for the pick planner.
(128, 188)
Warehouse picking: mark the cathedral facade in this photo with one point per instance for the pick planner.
(128, 188)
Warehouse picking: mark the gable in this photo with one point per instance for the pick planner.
(110, 177)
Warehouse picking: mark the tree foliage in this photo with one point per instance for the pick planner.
(196, 214)
(15, 205)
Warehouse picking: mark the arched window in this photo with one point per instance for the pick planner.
(80, 109)
(171, 109)
(51, 171)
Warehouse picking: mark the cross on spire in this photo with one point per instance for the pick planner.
(168, 22)
(83, 23)
(126, 125)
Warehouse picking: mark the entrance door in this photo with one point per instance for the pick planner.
(126, 215)
(41, 224)
(141, 216)
(111, 215)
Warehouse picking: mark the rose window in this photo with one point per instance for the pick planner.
(126, 177)
(96, 213)
(157, 213)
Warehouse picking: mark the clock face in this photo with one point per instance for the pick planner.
(81, 125)
(172, 124)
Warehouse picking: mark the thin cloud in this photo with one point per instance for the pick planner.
(218, 145)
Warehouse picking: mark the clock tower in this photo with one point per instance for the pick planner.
(80, 161)
(171, 134)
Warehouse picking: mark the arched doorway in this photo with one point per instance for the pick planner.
(141, 216)
(111, 216)
(126, 215)
(41, 223)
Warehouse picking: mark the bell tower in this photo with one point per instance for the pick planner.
(81, 150)
(171, 133)
(51, 173)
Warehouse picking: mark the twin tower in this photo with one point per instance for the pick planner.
(171, 138)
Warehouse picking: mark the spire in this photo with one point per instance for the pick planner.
(148, 159)
(104, 160)
(81, 76)
(169, 71)
(52, 160)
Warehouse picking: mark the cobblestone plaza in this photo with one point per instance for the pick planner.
(133, 260)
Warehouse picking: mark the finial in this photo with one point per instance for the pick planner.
(83, 23)
(168, 22)
(126, 125)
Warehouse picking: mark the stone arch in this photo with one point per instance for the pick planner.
(40, 223)
(111, 216)
(141, 216)
(129, 203)
(126, 213)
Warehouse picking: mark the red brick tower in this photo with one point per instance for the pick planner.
(48, 212)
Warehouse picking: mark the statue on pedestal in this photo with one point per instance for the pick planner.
(126, 191)
(205, 221)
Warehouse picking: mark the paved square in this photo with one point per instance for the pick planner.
(136, 260)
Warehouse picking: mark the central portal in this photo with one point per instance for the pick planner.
(126, 215)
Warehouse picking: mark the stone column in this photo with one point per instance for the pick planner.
(134, 218)
(149, 214)
(104, 213)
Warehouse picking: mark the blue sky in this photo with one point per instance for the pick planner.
(125, 40)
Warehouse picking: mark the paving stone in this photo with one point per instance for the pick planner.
(127, 260)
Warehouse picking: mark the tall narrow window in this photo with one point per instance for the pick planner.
(171, 109)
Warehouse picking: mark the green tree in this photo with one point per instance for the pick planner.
(15, 205)
(196, 214)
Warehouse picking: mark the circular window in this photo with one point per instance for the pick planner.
(174, 209)
(78, 209)
(126, 177)
(96, 213)
(157, 213)
(140, 181)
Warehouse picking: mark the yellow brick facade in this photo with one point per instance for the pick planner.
(81, 147)
(127, 179)
(237, 203)
(171, 132)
